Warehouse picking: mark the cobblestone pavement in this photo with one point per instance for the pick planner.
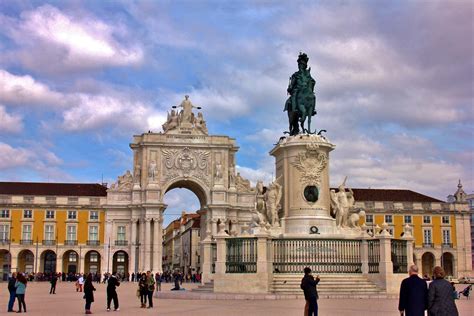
(68, 302)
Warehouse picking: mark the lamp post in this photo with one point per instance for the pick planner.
(108, 257)
(9, 249)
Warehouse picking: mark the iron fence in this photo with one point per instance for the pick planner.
(374, 255)
(321, 255)
(241, 255)
(399, 255)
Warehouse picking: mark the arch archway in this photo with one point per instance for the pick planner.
(48, 261)
(448, 263)
(427, 261)
(120, 263)
(26, 261)
(199, 189)
(5, 264)
(92, 262)
(70, 262)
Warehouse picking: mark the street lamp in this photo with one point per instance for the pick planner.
(9, 250)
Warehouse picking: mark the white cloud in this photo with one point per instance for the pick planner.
(54, 41)
(14, 157)
(25, 90)
(10, 123)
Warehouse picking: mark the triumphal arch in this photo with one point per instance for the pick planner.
(184, 155)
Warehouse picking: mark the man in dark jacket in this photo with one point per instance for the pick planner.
(413, 294)
(12, 290)
(308, 285)
(54, 280)
(112, 284)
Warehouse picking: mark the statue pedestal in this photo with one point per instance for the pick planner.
(303, 163)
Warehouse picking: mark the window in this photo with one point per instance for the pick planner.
(446, 236)
(94, 215)
(427, 236)
(50, 214)
(94, 257)
(407, 219)
(48, 232)
(71, 215)
(388, 219)
(27, 214)
(446, 219)
(120, 257)
(5, 213)
(4, 232)
(121, 233)
(369, 218)
(72, 256)
(26, 232)
(93, 232)
(71, 232)
(426, 219)
(388, 205)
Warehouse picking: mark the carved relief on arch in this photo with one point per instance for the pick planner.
(186, 163)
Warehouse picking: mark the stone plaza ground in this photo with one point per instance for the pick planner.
(68, 302)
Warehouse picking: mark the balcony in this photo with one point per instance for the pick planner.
(447, 245)
(49, 242)
(121, 243)
(93, 242)
(428, 245)
(70, 243)
(26, 242)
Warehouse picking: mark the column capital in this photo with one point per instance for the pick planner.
(157, 219)
(134, 220)
(214, 220)
(147, 219)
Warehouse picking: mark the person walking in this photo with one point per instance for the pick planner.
(20, 286)
(112, 284)
(80, 281)
(12, 291)
(308, 285)
(142, 287)
(54, 280)
(440, 295)
(150, 281)
(89, 293)
(413, 299)
(158, 281)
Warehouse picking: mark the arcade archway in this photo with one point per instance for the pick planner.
(26, 261)
(5, 264)
(120, 263)
(70, 262)
(447, 261)
(427, 261)
(48, 261)
(92, 262)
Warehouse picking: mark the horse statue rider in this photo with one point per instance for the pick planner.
(302, 101)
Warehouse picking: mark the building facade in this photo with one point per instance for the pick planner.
(441, 230)
(51, 227)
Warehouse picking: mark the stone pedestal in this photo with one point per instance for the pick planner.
(302, 165)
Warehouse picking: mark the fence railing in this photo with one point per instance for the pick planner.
(213, 257)
(321, 255)
(374, 255)
(399, 255)
(241, 255)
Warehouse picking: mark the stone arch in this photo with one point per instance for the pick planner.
(427, 262)
(48, 261)
(92, 262)
(5, 264)
(26, 261)
(447, 261)
(196, 186)
(120, 262)
(70, 262)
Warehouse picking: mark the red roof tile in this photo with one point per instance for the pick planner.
(60, 189)
(393, 195)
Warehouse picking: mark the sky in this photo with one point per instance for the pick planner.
(394, 85)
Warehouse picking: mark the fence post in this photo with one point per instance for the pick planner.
(221, 249)
(364, 255)
(407, 235)
(385, 264)
(262, 253)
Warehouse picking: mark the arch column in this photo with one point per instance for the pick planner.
(133, 267)
(214, 227)
(141, 263)
(147, 244)
(157, 245)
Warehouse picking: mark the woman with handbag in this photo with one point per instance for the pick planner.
(89, 293)
(143, 288)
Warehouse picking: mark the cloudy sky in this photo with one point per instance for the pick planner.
(394, 85)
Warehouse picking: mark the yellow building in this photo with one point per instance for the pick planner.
(51, 227)
(441, 229)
